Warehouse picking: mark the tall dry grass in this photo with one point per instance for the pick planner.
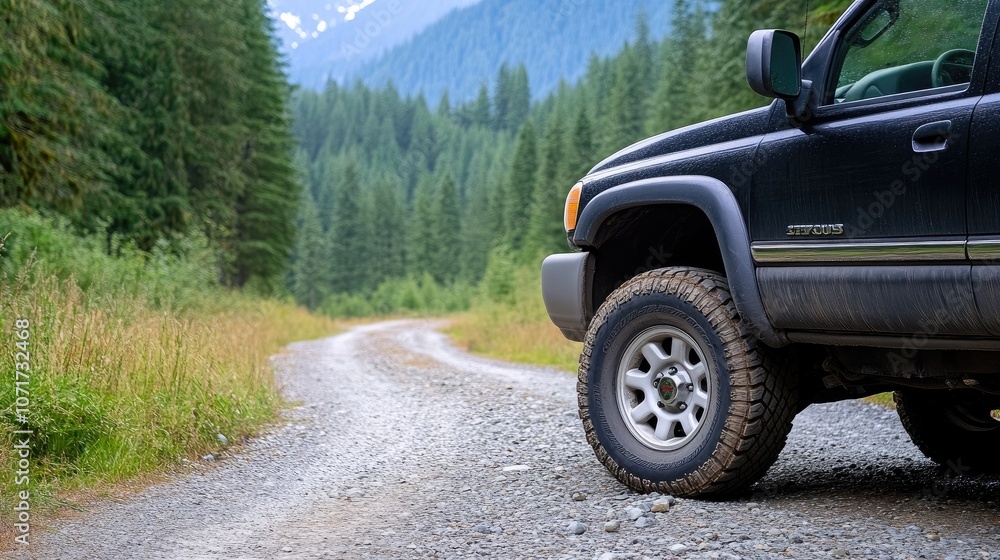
(140, 369)
(508, 322)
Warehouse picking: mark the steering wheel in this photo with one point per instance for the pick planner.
(952, 60)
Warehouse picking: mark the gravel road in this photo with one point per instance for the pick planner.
(405, 447)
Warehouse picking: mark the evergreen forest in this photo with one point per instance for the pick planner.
(404, 192)
(147, 123)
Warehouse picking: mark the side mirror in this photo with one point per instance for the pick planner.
(774, 63)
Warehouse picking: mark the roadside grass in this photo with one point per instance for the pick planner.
(884, 400)
(135, 363)
(507, 321)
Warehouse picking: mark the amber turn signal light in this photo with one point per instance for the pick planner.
(572, 207)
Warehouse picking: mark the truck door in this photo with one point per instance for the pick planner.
(859, 215)
(984, 200)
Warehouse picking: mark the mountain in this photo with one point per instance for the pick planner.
(332, 39)
(553, 38)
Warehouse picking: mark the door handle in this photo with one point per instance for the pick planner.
(933, 137)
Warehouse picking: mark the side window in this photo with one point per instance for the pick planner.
(901, 46)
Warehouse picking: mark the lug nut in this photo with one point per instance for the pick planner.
(661, 405)
(672, 371)
(682, 406)
(690, 386)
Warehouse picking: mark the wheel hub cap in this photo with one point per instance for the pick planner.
(664, 388)
(667, 388)
(674, 389)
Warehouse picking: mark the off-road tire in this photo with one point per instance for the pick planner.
(754, 403)
(953, 428)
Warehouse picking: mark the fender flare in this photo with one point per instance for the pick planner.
(719, 204)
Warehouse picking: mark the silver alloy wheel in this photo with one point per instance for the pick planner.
(664, 388)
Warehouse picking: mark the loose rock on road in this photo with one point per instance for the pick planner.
(405, 447)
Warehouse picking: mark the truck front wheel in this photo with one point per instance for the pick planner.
(675, 394)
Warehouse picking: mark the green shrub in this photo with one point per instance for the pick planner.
(137, 360)
(401, 296)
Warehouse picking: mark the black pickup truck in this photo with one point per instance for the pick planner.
(841, 242)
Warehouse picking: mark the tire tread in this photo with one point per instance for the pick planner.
(763, 388)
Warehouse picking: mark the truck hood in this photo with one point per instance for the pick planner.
(724, 129)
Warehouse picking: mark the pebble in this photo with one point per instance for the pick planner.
(644, 522)
(516, 468)
(222, 439)
(634, 513)
(576, 528)
(579, 496)
(660, 506)
(208, 457)
(612, 526)
(678, 548)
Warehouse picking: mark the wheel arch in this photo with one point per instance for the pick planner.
(712, 234)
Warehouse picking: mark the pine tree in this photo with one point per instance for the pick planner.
(722, 76)
(444, 106)
(266, 208)
(387, 248)
(581, 155)
(350, 235)
(675, 96)
(310, 275)
(519, 100)
(423, 145)
(420, 254)
(481, 108)
(54, 115)
(477, 233)
(520, 184)
(502, 98)
(624, 122)
(445, 266)
(545, 233)
(644, 49)
(214, 59)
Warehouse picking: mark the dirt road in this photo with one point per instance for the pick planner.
(405, 447)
